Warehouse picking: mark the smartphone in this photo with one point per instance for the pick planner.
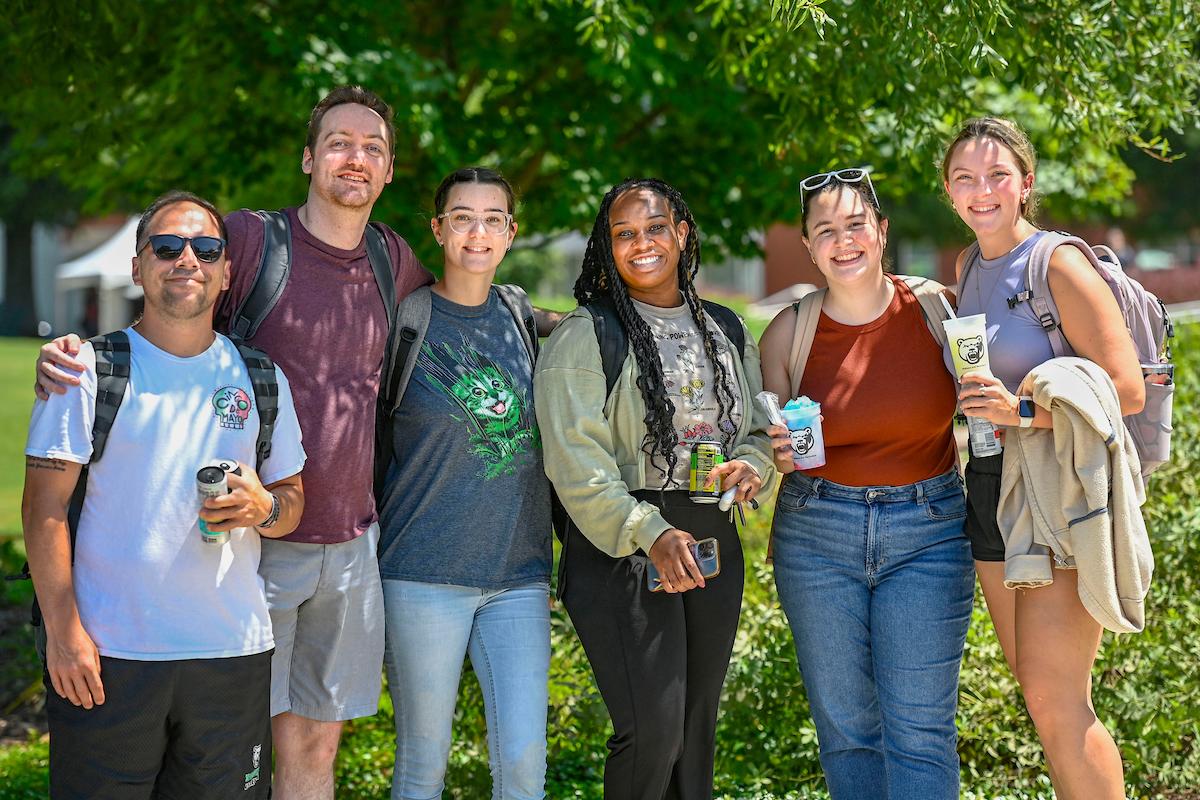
(708, 558)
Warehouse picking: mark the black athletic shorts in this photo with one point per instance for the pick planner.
(983, 498)
(168, 730)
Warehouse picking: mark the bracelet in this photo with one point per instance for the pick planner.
(273, 517)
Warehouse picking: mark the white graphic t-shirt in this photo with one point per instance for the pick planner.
(147, 587)
(691, 387)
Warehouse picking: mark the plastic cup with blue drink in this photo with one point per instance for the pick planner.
(803, 419)
(968, 351)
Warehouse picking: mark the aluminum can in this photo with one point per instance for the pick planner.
(706, 454)
(211, 482)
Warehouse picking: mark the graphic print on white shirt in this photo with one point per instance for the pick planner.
(690, 381)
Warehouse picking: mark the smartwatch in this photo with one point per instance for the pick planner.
(1025, 411)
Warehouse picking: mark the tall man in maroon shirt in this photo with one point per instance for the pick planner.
(328, 333)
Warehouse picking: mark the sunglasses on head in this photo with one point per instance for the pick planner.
(168, 246)
(848, 176)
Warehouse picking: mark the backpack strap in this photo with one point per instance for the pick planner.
(808, 312)
(270, 279)
(113, 360)
(519, 305)
(929, 293)
(729, 323)
(265, 384)
(611, 336)
(1037, 286)
(412, 321)
(385, 281)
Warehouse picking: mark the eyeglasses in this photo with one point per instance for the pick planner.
(464, 222)
(848, 176)
(168, 246)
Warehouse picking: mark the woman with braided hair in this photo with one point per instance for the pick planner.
(618, 457)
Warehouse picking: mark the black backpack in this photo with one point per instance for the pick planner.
(614, 342)
(113, 362)
(276, 266)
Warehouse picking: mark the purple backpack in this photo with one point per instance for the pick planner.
(1145, 317)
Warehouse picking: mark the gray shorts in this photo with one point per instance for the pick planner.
(326, 605)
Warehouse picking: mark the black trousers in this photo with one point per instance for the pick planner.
(659, 659)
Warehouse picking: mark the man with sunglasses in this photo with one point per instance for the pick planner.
(328, 330)
(157, 644)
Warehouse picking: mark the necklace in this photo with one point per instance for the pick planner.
(983, 307)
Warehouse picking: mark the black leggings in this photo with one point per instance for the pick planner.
(659, 659)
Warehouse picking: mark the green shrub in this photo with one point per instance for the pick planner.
(1145, 686)
(1146, 691)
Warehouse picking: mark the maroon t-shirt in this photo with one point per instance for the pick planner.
(328, 333)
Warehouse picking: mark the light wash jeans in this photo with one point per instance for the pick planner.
(877, 585)
(430, 628)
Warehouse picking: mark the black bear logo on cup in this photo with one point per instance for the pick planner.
(971, 350)
(802, 441)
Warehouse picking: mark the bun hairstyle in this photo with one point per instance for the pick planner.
(1007, 133)
(599, 281)
(472, 175)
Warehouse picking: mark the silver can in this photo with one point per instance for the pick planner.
(211, 481)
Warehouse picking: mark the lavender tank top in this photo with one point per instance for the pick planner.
(1016, 341)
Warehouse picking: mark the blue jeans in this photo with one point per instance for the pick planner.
(430, 628)
(877, 585)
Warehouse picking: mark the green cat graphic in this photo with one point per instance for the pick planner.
(499, 420)
(489, 397)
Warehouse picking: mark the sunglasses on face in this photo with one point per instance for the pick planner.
(168, 247)
(848, 176)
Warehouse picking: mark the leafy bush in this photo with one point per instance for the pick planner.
(1145, 686)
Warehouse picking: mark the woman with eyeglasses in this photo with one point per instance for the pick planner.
(871, 564)
(1049, 640)
(619, 459)
(464, 550)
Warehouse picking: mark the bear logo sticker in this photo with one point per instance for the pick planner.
(803, 441)
(970, 350)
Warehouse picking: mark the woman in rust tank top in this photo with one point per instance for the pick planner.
(871, 563)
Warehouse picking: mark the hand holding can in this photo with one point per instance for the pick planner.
(211, 482)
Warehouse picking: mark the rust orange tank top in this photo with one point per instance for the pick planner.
(886, 397)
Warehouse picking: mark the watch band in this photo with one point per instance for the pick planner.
(1025, 411)
(273, 517)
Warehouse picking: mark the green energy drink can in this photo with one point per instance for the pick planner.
(706, 454)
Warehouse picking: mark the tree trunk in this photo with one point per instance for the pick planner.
(17, 316)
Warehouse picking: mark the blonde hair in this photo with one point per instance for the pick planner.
(1010, 135)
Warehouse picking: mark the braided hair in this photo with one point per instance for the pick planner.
(599, 280)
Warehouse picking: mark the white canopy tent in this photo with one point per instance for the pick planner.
(107, 270)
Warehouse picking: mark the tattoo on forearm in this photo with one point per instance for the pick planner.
(33, 462)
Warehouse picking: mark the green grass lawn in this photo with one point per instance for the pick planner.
(16, 398)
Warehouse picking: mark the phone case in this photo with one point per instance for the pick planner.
(709, 563)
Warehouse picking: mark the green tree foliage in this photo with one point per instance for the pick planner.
(729, 99)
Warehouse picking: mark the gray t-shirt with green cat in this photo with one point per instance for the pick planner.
(467, 500)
